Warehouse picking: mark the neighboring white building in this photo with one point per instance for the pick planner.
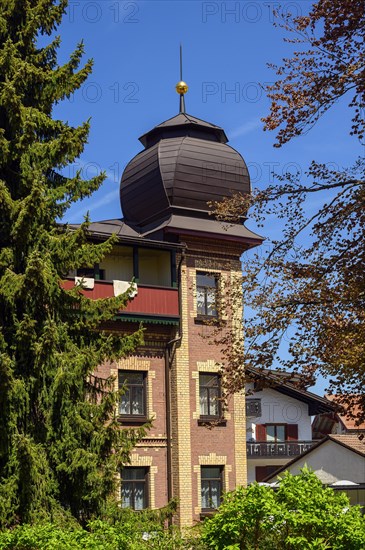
(278, 421)
(338, 461)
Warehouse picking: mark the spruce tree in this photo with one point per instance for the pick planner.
(60, 442)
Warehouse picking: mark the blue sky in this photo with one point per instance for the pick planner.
(226, 46)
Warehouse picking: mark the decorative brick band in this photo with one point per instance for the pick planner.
(153, 442)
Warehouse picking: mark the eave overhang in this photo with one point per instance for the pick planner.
(316, 404)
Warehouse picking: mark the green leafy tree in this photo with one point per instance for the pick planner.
(300, 514)
(60, 443)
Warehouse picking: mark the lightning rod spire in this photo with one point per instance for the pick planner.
(181, 87)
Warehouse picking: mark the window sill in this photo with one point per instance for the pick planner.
(207, 320)
(207, 513)
(135, 420)
(212, 421)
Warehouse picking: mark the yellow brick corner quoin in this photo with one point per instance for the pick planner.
(181, 406)
(239, 404)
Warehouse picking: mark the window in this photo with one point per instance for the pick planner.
(275, 432)
(211, 487)
(253, 407)
(206, 294)
(210, 394)
(133, 401)
(134, 488)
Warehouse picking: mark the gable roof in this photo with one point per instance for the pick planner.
(349, 422)
(352, 442)
(288, 384)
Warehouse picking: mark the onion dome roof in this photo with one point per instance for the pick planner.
(186, 163)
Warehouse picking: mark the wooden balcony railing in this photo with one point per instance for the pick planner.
(150, 300)
(266, 449)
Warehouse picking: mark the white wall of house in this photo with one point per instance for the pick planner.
(332, 459)
(278, 408)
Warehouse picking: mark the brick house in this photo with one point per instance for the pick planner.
(182, 261)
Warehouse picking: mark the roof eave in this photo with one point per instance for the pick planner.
(316, 403)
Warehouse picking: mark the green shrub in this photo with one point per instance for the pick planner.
(300, 515)
(123, 530)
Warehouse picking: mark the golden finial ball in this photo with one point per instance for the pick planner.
(181, 87)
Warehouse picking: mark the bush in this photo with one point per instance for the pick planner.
(300, 515)
(123, 529)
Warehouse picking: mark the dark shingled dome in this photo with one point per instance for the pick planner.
(185, 164)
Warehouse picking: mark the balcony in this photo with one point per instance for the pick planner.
(266, 449)
(150, 300)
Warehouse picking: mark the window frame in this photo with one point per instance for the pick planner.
(144, 482)
(220, 479)
(253, 407)
(206, 315)
(276, 425)
(211, 417)
(133, 417)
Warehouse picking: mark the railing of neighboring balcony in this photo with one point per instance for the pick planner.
(267, 449)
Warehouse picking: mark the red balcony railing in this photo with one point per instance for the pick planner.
(150, 300)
